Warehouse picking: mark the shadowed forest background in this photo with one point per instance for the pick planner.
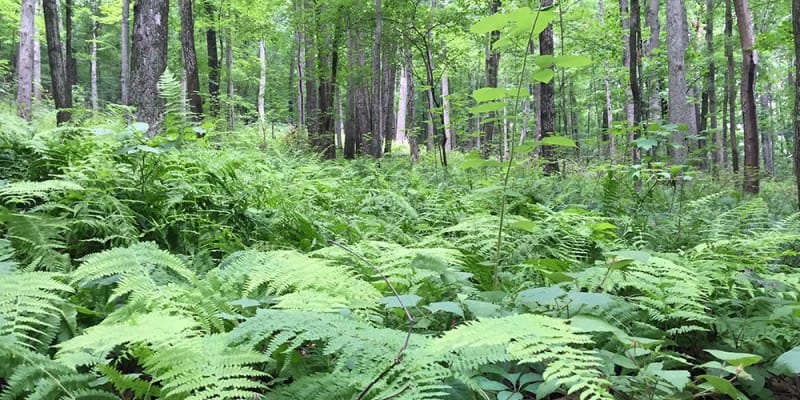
(444, 199)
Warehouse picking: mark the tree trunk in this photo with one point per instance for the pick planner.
(796, 120)
(388, 91)
(730, 86)
(402, 106)
(377, 120)
(125, 54)
(149, 60)
(448, 130)
(608, 114)
(492, 67)
(213, 59)
(231, 88)
(654, 80)
(93, 63)
(625, 14)
(262, 83)
(679, 110)
(634, 45)
(547, 110)
(411, 114)
(717, 137)
(357, 122)
(72, 64)
(62, 90)
(25, 59)
(749, 116)
(767, 137)
(37, 66)
(190, 60)
(323, 139)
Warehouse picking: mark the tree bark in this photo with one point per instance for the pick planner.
(749, 115)
(230, 85)
(492, 67)
(357, 122)
(72, 64)
(262, 83)
(25, 56)
(213, 59)
(448, 129)
(767, 139)
(717, 137)
(608, 114)
(388, 91)
(37, 66)
(125, 53)
(634, 45)
(679, 110)
(402, 106)
(377, 120)
(411, 114)
(547, 110)
(149, 60)
(190, 60)
(730, 86)
(654, 80)
(796, 121)
(62, 90)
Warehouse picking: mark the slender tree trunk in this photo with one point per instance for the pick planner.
(749, 115)
(231, 88)
(548, 107)
(767, 140)
(635, 40)
(492, 67)
(625, 16)
(679, 110)
(711, 89)
(262, 83)
(608, 114)
(730, 86)
(62, 90)
(411, 114)
(448, 130)
(124, 50)
(796, 121)
(323, 139)
(377, 120)
(357, 122)
(190, 60)
(300, 62)
(93, 63)
(338, 120)
(72, 64)
(402, 105)
(213, 59)
(149, 60)
(654, 83)
(388, 92)
(25, 57)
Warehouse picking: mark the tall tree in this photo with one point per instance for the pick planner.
(608, 114)
(796, 120)
(749, 115)
(717, 137)
(25, 59)
(125, 53)
(492, 68)
(149, 60)
(679, 110)
(377, 119)
(635, 45)
(190, 59)
(62, 89)
(730, 86)
(356, 120)
(262, 82)
(72, 63)
(547, 109)
(213, 58)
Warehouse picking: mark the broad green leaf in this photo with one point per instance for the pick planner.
(591, 323)
(545, 61)
(140, 127)
(506, 395)
(542, 295)
(743, 359)
(560, 141)
(488, 384)
(645, 143)
(580, 299)
(489, 94)
(409, 300)
(490, 23)
(639, 256)
(788, 363)
(722, 386)
(543, 75)
(446, 306)
(487, 107)
(571, 61)
(525, 225)
(482, 309)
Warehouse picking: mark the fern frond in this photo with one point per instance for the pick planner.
(142, 270)
(30, 307)
(280, 273)
(26, 192)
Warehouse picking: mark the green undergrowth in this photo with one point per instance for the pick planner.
(229, 267)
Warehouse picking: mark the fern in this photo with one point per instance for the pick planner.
(141, 270)
(26, 193)
(31, 307)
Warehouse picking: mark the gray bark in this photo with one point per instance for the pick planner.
(262, 83)
(25, 57)
(149, 60)
(93, 55)
(61, 90)
(190, 60)
(679, 110)
(796, 121)
(749, 115)
(124, 50)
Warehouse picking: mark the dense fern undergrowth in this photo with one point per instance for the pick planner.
(233, 267)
